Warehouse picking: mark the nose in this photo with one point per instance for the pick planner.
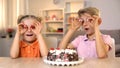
(85, 23)
(29, 29)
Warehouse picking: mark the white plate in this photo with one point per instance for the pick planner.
(63, 63)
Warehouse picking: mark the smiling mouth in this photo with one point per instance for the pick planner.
(29, 34)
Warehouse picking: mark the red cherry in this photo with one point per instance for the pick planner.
(51, 48)
(58, 48)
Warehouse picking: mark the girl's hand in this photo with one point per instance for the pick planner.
(22, 28)
(36, 28)
(75, 23)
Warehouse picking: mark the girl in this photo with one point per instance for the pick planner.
(28, 41)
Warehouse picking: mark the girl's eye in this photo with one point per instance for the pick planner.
(21, 26)
(25, 27)
(32, 26)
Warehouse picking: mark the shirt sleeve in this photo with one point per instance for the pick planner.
(76, 41)
(108, 40)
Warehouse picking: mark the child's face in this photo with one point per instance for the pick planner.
(88, 25)
(29, 35)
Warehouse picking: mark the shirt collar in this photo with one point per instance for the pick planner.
(86, 38)
(33, 45)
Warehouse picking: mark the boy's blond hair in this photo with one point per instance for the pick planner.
(90, 10)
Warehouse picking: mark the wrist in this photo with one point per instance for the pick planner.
(18, 32)
(97, 31)
(72, 30)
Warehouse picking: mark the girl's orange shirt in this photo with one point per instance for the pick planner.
(29, 50)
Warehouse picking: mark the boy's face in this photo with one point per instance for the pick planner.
(88, 25)
(29, 35)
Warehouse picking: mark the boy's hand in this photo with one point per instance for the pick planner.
(36, 28)
(22, 28)
(75, 23)
(95, 21)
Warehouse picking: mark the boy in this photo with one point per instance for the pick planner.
(28, 41)
(93, 44)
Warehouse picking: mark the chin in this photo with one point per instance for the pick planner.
(30, 40)
(90, 33)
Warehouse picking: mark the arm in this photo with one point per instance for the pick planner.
(42, 45)
(70, 46)
(75, 24)
(101, 47)
(63, 44)
(14, 52)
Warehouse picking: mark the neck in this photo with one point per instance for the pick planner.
(91, 36)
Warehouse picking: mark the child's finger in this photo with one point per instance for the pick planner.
(34, 26)
(68, 47)
(22, 25)
(40, 24)
(95, 17)
(70, 19)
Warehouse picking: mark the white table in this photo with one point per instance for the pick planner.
(6, 62)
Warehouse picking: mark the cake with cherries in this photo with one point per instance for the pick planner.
(62, 55)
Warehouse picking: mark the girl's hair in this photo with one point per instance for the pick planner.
(20, 18)
(90, 10)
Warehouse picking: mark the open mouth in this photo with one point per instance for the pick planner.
(29, 34)
(86, 29)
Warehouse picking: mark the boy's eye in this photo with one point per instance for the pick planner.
(89, 20)
(32, 26)
(81, 20)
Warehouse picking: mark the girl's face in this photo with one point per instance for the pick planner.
(29, 35)
(88, 25)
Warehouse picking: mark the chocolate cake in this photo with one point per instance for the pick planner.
(62, 55)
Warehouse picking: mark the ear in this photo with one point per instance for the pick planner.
(99, 21)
